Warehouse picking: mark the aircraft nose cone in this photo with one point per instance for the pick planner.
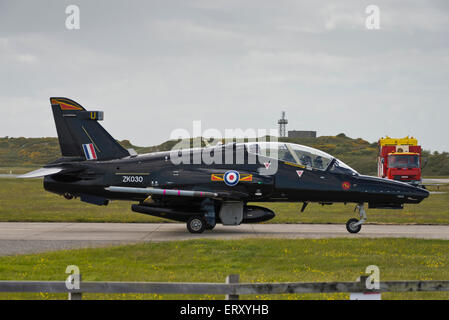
(396, 189)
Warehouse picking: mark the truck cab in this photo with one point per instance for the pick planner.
(400, 159)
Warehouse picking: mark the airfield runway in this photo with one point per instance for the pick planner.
(33, 237)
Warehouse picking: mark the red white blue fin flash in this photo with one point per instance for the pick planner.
(89, 151)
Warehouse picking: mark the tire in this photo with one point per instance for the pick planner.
(68, 196)
(351, 228)
(196, 224)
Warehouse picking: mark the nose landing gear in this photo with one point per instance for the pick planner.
(353, 225)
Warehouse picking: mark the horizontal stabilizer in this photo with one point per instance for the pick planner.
(163, 192)
(42, 172)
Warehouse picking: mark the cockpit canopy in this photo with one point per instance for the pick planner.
(299, 154)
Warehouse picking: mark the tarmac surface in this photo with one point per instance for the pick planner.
(435, 181)
(34, 237)
(7, 175)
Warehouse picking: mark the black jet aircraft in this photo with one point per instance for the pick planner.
(97, 169)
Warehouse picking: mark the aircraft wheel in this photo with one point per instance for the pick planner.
(196, 224)
(351, 227)
(68, 196)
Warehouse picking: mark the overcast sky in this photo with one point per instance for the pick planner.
(155, 66)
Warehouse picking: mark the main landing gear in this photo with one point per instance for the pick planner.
(196, 224)
(199, 223)
(353, 225)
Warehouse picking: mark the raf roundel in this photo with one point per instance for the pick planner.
(231, 178)
(346, 185)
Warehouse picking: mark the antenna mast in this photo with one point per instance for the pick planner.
(282, 122)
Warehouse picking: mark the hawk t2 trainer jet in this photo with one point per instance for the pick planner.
(97, 169)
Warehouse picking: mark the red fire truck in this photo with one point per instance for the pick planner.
(400, 159)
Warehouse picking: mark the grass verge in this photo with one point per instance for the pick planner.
(256, 260)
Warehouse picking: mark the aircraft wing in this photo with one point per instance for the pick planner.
(163, 192)
(42, 172)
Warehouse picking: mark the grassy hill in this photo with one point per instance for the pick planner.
(358, 153)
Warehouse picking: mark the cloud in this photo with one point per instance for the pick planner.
(26, 58)
(157, 66)
(10, 54)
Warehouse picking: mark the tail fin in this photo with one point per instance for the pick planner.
(80, 135)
